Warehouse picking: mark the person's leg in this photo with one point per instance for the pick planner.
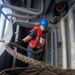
(31, 55)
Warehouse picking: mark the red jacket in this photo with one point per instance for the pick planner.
(38, 41)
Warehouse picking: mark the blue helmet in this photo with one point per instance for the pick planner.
(44, 22)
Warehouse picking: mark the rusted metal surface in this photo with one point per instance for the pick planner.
(41, 66)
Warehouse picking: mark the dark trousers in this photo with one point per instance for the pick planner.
(31, 55)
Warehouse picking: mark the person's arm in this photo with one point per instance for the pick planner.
(21, 42)
(27, 38)
(30, 36)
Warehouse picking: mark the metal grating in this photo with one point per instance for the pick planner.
(49, 48)
(50, 56)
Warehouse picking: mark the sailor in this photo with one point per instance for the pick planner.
(36, 37)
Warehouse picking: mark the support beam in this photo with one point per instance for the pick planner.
(64, 49)
(15, 49)
(28, 3)
(47, 6)
(5, 15)
(72, 39)
(28, 6)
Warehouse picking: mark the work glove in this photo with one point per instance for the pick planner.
(19, 42)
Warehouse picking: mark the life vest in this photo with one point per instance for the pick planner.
(38, 41)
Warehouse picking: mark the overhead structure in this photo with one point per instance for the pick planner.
(21, 10)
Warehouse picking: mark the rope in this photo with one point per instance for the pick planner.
(23, 48)
(26, 71)
(42, 67)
